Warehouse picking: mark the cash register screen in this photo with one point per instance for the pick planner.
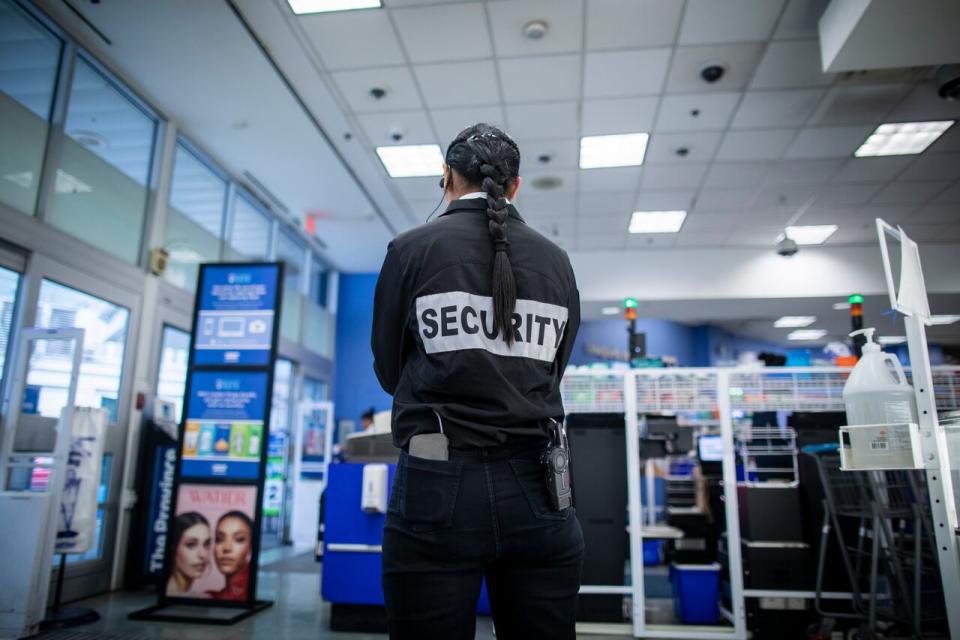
(710, 448)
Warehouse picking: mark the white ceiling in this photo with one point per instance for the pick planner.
(774, 134)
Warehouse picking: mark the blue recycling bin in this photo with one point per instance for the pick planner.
(696, 592)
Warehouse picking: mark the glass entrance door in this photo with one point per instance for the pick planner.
(55, 296)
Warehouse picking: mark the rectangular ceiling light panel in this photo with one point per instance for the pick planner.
(806, 334)
(620, 150)
(657, 221)
(794, 322)
(902, 138)
(325, 6)
(412, 161)
(610, 311)
(810, 234)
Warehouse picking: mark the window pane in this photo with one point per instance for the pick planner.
(101, 187)
(9, 280)
(29, 57)
(250, 236)
(172, 377)
(314, 390)
(318, 282)
(291, 250)
(104, 340)
(194, 218)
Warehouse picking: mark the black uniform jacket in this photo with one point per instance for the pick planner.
(434, 343)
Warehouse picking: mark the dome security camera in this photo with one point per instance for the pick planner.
(787, 248)
(712, 72)
(948, 81)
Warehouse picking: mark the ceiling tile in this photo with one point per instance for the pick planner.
(417, 189)
(755, 236)
(568, 180)
(909, 192)
(394, 4)
(414, 126)
(352, 39)
(857, 104)
(546, 205)
(934, 166)
(845, 195)
(863, 233)
(720, 199)
(760, 109)
(618, 115)
(444, 32)
(921, 232)
(600, 224)
(625, 24)
(458, 84)
(614, 179)
(700, 146)
(881, 169)
(540, 78)
(651, 240)
(551, 120)
(891, 213)
(831, 215)
(563, 154)
(767, 217)
(696, 112)
(397, 81)
(450, 122)
(950, 196)
(698, 222)
(690, 238)
(650, 200)
(601, 242)
(766, 144)
(951, 233)
(552, 227)
(923, 103)
(948, 142)
(801, 19)
(563, 17)
(827, 142)
(740, 60)
(784, 197)
(791, 64)
(624, 73)
(802, 171)
(736, 174)
(606, 203)
(673, 176)
(708, 21)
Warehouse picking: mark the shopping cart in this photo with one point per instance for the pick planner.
(890, 563)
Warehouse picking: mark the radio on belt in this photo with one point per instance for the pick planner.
(556, 459)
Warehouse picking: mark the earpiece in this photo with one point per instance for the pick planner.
(441, 182)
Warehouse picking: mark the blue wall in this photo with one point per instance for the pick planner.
(356, 388)
(664, 338)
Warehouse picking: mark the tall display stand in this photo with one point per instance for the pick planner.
(312, 447)
(213, 531)
(33, 467)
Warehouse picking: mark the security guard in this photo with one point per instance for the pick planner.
(475, 316)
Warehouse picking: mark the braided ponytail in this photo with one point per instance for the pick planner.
(486, 156)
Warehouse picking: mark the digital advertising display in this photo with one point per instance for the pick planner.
(236, 314)
(223, 433)
(212, 542)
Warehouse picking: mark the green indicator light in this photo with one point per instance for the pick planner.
(855, 299)
(630, 303)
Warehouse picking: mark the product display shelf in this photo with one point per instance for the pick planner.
(725, 392)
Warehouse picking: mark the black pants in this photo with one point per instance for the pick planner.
(483, 513)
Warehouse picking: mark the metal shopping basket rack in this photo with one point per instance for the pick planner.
(890, 563)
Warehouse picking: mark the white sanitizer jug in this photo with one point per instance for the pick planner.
(877, 391)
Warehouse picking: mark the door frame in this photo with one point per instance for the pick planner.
(86, 578)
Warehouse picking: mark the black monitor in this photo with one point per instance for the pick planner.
(676, 439)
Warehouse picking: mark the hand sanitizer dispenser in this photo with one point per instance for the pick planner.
(374, 496)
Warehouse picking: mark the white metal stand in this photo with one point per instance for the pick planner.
(910, 299)
(306, 492)
(31, 517)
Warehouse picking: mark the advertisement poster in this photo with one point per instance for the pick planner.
(77, 529)
(161, 493)
(223, 432)
(236, 315)
(273, 484)
(211, 538)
